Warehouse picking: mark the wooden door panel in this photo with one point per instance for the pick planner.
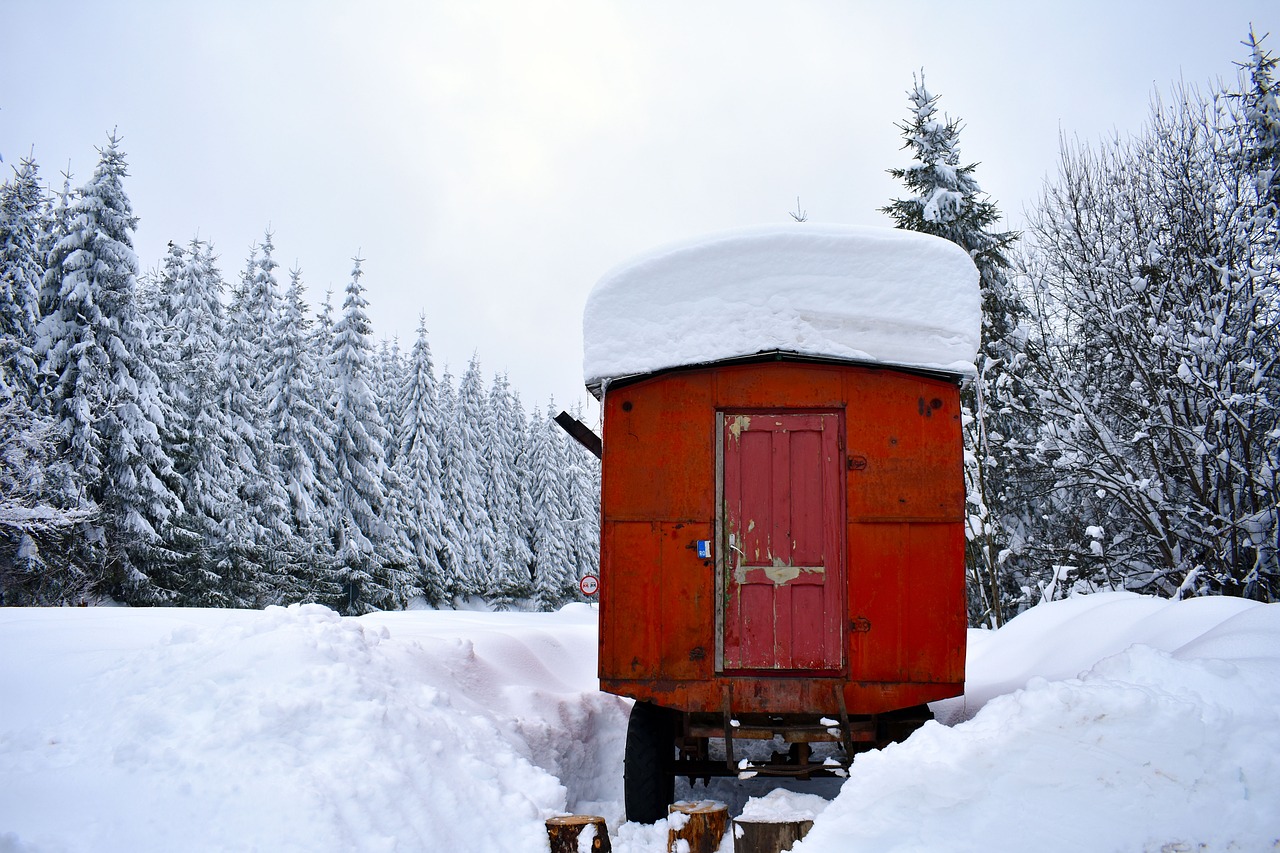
(782, 537)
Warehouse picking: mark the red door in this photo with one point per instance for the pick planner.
(781, 541)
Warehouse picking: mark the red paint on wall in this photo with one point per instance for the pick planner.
(679, 630)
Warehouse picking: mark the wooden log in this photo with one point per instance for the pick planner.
(568, 833)
(754, 837)
(696, 826)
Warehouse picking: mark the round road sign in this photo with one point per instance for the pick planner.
(589, 584)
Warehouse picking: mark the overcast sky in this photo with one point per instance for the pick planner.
(491, 159)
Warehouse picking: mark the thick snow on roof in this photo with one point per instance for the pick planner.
(876, 295)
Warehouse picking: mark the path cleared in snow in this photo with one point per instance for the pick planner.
(1106, 722)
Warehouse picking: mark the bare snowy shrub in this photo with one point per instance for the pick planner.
(1155, 280)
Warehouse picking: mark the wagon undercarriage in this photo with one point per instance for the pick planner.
(798, 746)
(664, 745)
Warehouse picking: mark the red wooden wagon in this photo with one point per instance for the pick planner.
(782, 541)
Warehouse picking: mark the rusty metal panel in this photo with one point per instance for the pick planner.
(906, 602)
(656, 601)
(782, 480)
(630, 600)
(904, 447)
(658, 457)
(780, 385)
(687, 603)
(782, 694)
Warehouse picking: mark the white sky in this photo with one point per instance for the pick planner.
(491, 159)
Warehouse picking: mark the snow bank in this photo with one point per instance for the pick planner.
(1105, 722)
(1168, 739)
(864, 294)
(295, 729)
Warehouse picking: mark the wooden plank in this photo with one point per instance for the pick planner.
(581, 433)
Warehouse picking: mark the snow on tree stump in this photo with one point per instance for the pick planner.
(696, 826)
(772, 837)
(573, 833)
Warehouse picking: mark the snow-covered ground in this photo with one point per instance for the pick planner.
(1106, 722)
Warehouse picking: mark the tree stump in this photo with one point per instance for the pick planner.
(700, 824)
(569, 832)
(753, 837)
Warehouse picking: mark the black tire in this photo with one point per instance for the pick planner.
(649, 782)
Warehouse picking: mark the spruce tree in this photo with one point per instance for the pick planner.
(509, 579)
(421, 471)
(21, 271)
(39, 514)
(1259, 125)
(258, 537)
(947, 202)
(552, 562)
(374, 573)
(584, 505)
(455, 541)
(388, 376)
(467, 483)
(99, 384)
(208, 485)
(303, 445)
(320, 342)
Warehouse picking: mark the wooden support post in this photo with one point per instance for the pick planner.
(568, 833)
(752, 837)
(701, 824)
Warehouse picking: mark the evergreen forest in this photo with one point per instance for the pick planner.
(193, 437)
(175, 438)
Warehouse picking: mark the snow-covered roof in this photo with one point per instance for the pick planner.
(877, 295)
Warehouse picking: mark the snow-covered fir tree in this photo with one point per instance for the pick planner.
(259, 538)
(947, 202)
(373, 568)
(57, 217)
(552, 506)
(503, 432)
(388, 377)
(474, 548)
(303, 443)
(583, 471)
(1259, 127)
(261, 299)
(421, 472)
(320, 342)
(453, 551)
(38, 520)
(99, 384)
(208, 484)
(21, 271)
(38, 506)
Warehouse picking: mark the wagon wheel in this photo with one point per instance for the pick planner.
(649, 763)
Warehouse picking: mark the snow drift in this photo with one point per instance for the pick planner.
(875, 295)
(1105, 722)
